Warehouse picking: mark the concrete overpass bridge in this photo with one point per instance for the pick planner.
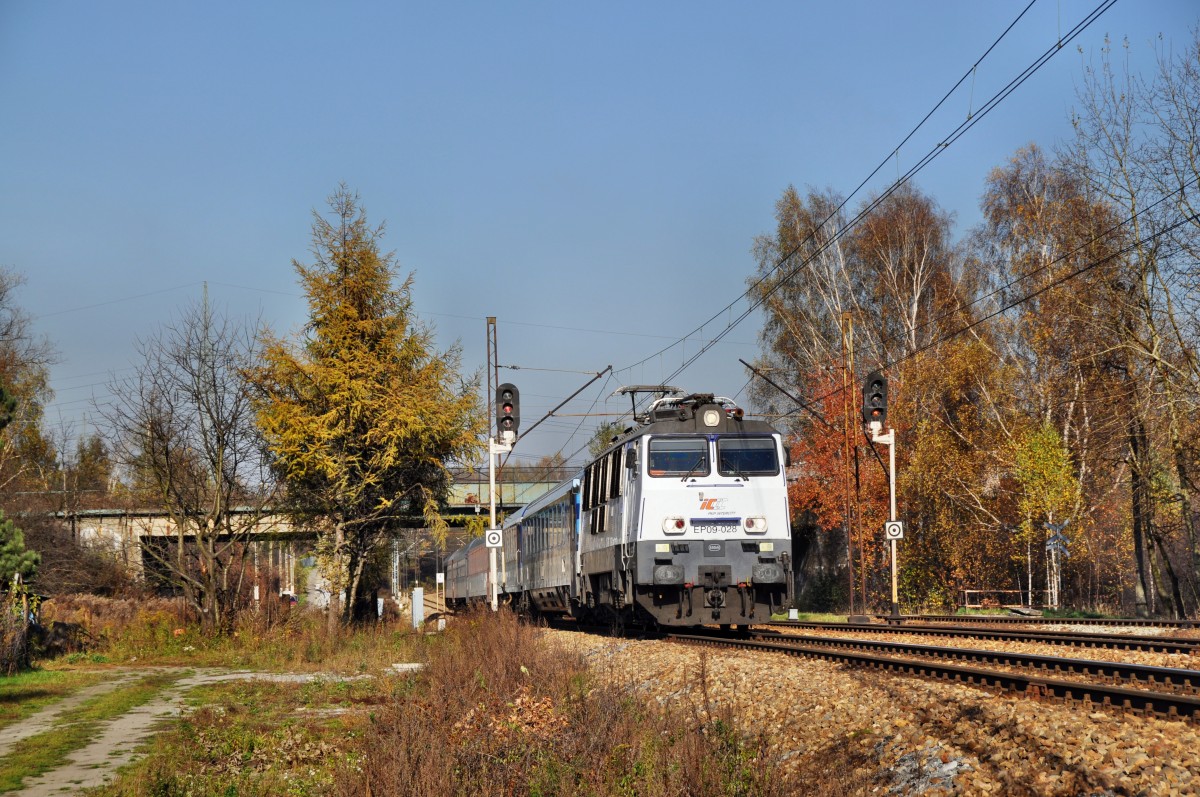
(287, 550)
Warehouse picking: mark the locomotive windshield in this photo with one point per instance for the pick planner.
(747, 456)
(678, 456)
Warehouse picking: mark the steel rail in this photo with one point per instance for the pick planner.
(1086, 695)
(1154, 644)
(1017, 619)
(1173, 679)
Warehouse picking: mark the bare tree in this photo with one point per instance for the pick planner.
(183, 427)
(1136, 146)
(26, 455)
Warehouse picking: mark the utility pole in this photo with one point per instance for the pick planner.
(847, 329)
(493, 373)
(874, 415)
(494, 537)
(507, 417)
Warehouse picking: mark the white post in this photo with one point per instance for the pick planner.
(892, 515)
(890, 438)
(494, 597)
(418, 607)
(494, 450)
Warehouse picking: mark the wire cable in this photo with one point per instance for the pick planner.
(928, 158)
(1131, 247)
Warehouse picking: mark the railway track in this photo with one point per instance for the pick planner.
(1154, 644)
(1017, 619)
(1172, 679)
(1179, 702)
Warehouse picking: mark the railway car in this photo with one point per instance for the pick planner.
(467, 574)
(539, 544)
(683, 520)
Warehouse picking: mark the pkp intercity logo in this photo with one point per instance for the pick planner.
(713, 504)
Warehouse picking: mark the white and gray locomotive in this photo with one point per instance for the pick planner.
(683, 520)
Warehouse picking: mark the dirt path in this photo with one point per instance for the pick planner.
(114, 747)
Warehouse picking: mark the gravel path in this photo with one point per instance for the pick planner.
(902, 735)
(114, 747)
(46, 719)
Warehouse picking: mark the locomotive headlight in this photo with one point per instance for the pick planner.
(766, 547)
(755, 525)
(668, 574)
(712, 417)
(662, 547)
(674, 525)
(768, 573)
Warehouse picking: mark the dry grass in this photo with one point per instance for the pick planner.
(498, 710)
(501, 713)
(159, 631)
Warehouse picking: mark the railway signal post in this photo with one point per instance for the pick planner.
(494, 450)
(893, 530)
(508, 418)
(874, 415)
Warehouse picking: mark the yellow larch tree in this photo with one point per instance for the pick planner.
(362, 415)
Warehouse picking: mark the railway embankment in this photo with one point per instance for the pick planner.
(906, 735)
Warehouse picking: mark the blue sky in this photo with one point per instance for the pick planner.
(591, 175)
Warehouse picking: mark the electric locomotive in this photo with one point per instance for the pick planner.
(685, 517)
(682, 520)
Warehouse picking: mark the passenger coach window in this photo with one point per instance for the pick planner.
(678, 456)
(746, 456)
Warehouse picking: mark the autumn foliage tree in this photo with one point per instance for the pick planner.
(362, 414)
(889, 277)
(1043, 368)
(27, 456)
(1137, 147)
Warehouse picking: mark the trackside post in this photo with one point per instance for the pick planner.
(494, 450)
(893, 530)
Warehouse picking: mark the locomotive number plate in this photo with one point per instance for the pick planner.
(706, 526)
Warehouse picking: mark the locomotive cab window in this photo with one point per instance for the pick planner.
(747, 456)
(678, 456)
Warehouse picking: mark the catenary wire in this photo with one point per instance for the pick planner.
(1027, 297)
(944, 144)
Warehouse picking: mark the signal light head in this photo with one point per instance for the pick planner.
(508, 408)
(875, 398)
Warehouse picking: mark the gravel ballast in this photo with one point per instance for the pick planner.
(886, 734)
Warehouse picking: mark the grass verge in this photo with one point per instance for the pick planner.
(498, 710)
(812, 617)
(25, 694)
(156, 632)
(255, 738)
(74, 729)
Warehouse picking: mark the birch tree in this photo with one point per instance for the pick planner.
(1137, 146)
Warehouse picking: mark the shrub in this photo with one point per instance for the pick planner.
(501, 711)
